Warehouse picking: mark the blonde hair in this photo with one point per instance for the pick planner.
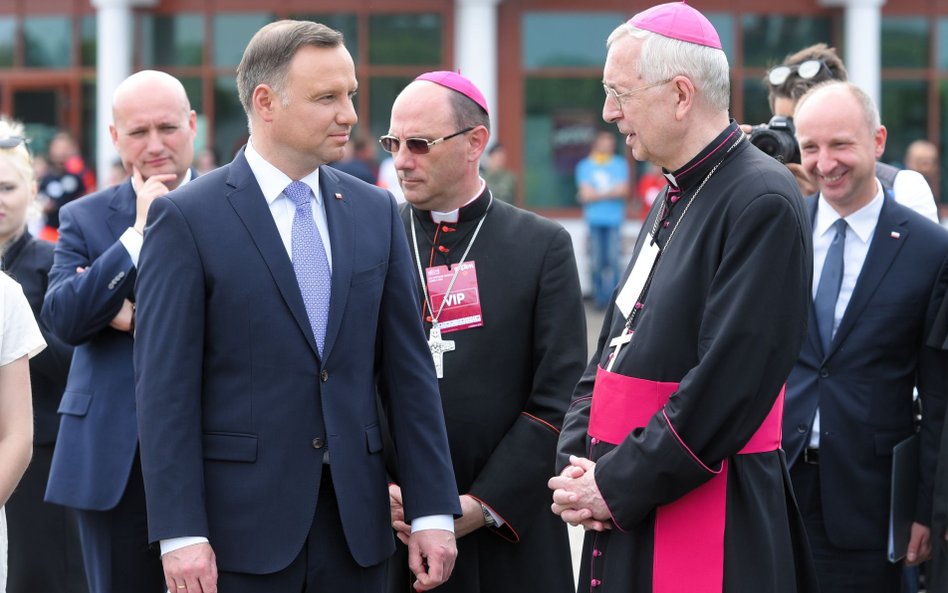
(21, 160)
(19, 155)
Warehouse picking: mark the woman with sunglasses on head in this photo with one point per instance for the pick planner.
(44, 549)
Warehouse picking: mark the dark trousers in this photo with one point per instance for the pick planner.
(44, 552)
(839, 570)
(324, 565)
(115, 546)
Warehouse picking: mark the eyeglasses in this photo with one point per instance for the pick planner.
(416, 145)
(12, 141)
(805, 70)
(611, 92)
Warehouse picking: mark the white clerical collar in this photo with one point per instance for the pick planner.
(273, 181)
(862, 222)
(453, 215)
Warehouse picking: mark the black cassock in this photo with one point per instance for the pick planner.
(938, 568)
(505, 390)
(723, 318)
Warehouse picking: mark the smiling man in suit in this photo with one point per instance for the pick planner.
(276, 304)
(95, 467)
(849, 396)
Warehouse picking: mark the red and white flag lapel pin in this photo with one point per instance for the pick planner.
(338, 196)
(893, 234)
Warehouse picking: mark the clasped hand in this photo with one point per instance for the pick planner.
(576, 497)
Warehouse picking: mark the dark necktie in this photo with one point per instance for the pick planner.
(310, 261)
(827, 293)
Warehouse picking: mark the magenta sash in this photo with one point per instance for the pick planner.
(689, 533)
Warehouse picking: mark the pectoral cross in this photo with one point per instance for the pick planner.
(438, 348)
(618, 342)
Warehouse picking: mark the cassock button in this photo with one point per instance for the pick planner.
(324, 376)
(824, 372)
(597, 553)
(595, 582)
(594, 441)
(318, 443)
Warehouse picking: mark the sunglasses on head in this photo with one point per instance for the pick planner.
(12, 141)
(391, 144)
(805, 70)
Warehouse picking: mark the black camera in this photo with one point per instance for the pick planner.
(777, 138)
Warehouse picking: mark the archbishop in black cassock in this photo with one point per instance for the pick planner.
(691, 492)
(506, 383)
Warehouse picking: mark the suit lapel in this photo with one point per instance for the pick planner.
(813, 335)
(882, 251)
(342, 238)
(250, 205)
(121, 209)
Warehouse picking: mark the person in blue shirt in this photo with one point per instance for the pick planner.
(603, 182)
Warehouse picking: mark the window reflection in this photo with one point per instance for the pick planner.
(905, 42)
(47, 41)
(405, 39)
(87, 32)
(545, 33)
(176, 40)
(904, 114)
(230, 122)
(768, 38)
(232, 33)
(7, 37)
(562, 115)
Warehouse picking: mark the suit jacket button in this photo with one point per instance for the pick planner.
(318, 443)
(802, 428)
(324, 376)
(824, 373)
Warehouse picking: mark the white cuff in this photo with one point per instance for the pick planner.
(176, 543)
(132, 241)
(445, 522)
(497, 520)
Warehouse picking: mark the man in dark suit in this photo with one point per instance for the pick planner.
(849, 396)
(95, 467)
(276, 304)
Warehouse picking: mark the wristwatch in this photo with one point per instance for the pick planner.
(488, 517)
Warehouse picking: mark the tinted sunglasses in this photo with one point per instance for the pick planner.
(416, 145)
(12, 141)
(805, 70)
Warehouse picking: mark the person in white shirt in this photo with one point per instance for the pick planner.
(20, 340)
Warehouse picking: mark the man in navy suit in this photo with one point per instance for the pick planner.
(276, 305)
(89, 304)
(876, 290)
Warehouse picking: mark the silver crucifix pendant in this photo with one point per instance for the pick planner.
(438, 348)
(618, 342)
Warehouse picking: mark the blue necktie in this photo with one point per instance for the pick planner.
(310, 261)
(827, 293)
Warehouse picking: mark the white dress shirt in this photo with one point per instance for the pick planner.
(861, 225)
(131, 239)
(910, 189)
(272, 182)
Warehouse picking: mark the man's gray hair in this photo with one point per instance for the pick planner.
(870, 112)
(467, 113)
(269, 53)
(663, 58)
